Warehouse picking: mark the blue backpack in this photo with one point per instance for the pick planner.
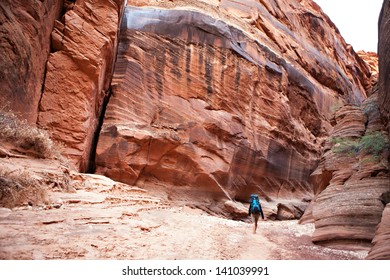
(255, 207)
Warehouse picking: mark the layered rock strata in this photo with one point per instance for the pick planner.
(381, 241)
(25, 28)
(221, 99)
(352, 177)
(78, 75)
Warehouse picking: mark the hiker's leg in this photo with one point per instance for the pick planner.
(256, 220)
(254, 226)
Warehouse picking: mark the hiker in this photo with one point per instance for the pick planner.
(255, 210)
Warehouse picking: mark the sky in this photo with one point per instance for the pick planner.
(357, 21)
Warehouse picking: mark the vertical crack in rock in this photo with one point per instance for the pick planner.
(91, 165)
(91, 161)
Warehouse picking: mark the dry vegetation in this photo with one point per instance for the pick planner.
(20, 188)
(20, 139)
(24, 136)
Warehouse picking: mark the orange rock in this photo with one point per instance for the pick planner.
(225, 99)
(78, 75)
(381, 245)
(350, 180)
(25, 28)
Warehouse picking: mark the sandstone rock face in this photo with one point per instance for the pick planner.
(78, 74)
(381, 248)
(384, 62)
(351, 178)
(224, 98)
(371, 59)
(381, 240)
(25, 28)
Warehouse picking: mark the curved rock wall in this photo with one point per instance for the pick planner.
(225, 98)
(352, 177)
(381, 243)
(25, 28)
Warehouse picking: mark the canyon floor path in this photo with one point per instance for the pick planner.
(129, 223)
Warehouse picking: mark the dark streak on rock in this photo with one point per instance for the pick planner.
(209, 69)
(223, 62)
(238, 76)
(160, 65)
(174, 53)
(188, 63)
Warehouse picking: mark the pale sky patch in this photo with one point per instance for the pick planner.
(357, 21)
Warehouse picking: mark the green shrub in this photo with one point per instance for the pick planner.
(372, 143)
(345, 146)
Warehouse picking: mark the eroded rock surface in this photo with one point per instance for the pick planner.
(351, 178)
(371, 59)
(384, 62)
(25, 28)
(78, 75)
(381, 241)
(221, 99)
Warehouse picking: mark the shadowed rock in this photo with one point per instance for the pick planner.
(25, 28)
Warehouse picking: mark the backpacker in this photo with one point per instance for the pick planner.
(255, 207)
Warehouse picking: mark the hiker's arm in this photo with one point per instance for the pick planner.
(261, 212)
(249, 210)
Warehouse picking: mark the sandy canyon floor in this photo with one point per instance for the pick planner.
(128, 223)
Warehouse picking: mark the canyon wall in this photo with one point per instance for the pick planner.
(381, 241)
(78, 75)
(352, 177)
(384, 61)
(25, 28)
(223, 98)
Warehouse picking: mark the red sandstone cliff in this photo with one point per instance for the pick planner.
(352, 177)
(221, 99)
(211, 99)
(25, 28)
(78, 75)
(381, 241)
